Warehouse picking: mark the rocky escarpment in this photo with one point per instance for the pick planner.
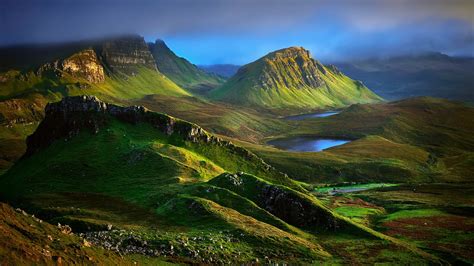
(71, 115)
(126, 54)
(83, 64)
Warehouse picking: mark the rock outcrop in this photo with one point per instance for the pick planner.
(83, 65)
(126, 54)
(295, 209)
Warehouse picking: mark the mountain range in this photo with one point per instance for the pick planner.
(431, 74)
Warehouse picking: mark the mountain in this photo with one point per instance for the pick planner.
(431, 74)
(223, 70)
(290, 78)
(135, 181)
(181, 71)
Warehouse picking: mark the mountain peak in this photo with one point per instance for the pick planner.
(161, 44)
(289, 52)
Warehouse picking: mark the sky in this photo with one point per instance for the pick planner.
(240, 31)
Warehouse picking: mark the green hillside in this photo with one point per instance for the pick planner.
(291, 79)
(181, 71)
(165, 181)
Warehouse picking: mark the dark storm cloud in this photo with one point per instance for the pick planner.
(435, 24)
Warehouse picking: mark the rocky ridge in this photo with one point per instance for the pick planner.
(65, 119)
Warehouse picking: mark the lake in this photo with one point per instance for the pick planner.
(306, 144)
(312, 115)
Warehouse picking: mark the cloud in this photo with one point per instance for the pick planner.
(264, 23)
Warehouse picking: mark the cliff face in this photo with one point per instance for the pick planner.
(126, 54)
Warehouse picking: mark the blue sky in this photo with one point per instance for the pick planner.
(239, 31)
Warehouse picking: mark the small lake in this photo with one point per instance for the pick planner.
(306, 144)
(311, 115)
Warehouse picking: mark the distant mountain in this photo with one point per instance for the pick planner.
(181, 71)
(224, 70)
(432, 74)
(290, 78)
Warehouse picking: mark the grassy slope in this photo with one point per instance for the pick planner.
(245, 88)
(25, 239)
(166, 178)
(157, 164)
